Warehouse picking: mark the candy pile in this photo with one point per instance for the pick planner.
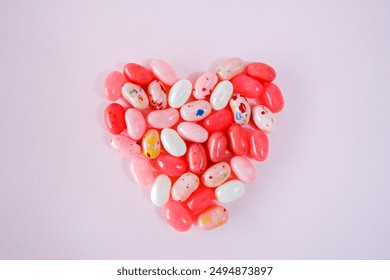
(191, 143)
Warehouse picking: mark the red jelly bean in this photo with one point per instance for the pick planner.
(200, 200)
(170, 165)
(177, 216)
(237, 140)
(258, 145)
(272, 98)
(247, 86)
(218, 120)
(113, 85)
(138, 74)
(114, 118)
(197, 159)
(217, 145)
(261, 71)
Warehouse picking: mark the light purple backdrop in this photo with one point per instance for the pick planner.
(323, 193)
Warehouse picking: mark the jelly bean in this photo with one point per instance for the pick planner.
(221, 94)
(230, 68)
(237, 140)
(136, 124)
(229, 191)
(218, 121)
(261, 71)
(204, 85)
(135, 95)
(263, 118)
(157, 95)
(217, 145)
(173, 143)
(240, 108)
(163, 71)
(247, 86)
(161, 189)
(216, 174)
(163, 118)
(179, 93)
(243, 168)
(151, 144)
(138, 74)
(177, 216)
(192, 132)
(197, 159)
(125, 146)
(195, 111)
(170, 165)
(184, 186)
(213, 217)
(141, 171)
(201, 199)
(258, 145)
(113, 85)
(272, 97)
(114, 118)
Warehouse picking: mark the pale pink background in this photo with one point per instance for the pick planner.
(324, 192)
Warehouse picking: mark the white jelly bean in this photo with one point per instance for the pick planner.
(216, 174)
(195, 111)
(221, 95)
(172, 142)
(184, 186)
(160, 191)
(263, 118)
(240, 108)
(230, 68)
(179, 93)
(229, 191)
(135, 95)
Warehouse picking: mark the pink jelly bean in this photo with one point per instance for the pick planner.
(247, 86)
(136, 124)
(272, 97)
(204, 85)
(125, 146)
(258, 145)
(261, 71)
(237, 140)
(138, 74)
(113, 85)
(163, 118)
(213, 217)
(200, 200)
(216, 146)
(163, 71)
(243, 168)
(192, 132)
(218, 121)
(197, 159)
(177, 216)
(141, 171)
(170, 165)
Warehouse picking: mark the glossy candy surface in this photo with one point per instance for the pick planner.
(157, 95)
(272, 97)
(138, 74)
(192, 132)
(177, 216)
(135, 123)
(173, 143)
(135, 95)
(216, 146)
(216, 174)
(114, 118)
(258, 145)
(163, 118)
(237, 140)
(170, 165)
(195, 111)
(218, 121)
(261, 71)
(113, 85)
(221, 94)
(151, 146)
(163, 71)
(179, 93)
(159, 194)
(204, 85)
(213, 217)
(185, 186)
(230, 68)
(196, 158)
(229, 191)
(201, 199)
(141, 171)
(240, 108)
(247, 86)
(263, 118)
(125, 146)
(243, 169)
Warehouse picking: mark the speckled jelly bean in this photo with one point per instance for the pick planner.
(125, 146)
(135, 123)
(240, 108)
(204, 85)
(170, 165)
(113, 85)
(247, 86)
(163, 118)
(177, 216)
(163, 71)
(151, 146)
(230, 68)
(157, 95)
(141, 171)
(138, 74)
(258, 145)
(195, 111)
(243, 169)
(200, 200)
(229, 191)
(184, 186)
(114, 118)
(196, 158)
(179, 93)
(216, 174)
(263, 118)
(261, 71)
(221, 94)
(213, 217)
(173, 143)
(272, 97)
(192, 132)
(135, 95)
(216, 146)
(160, 191)
(218, 121)
(237, 140)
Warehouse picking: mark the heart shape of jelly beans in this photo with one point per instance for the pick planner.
(193, 144)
